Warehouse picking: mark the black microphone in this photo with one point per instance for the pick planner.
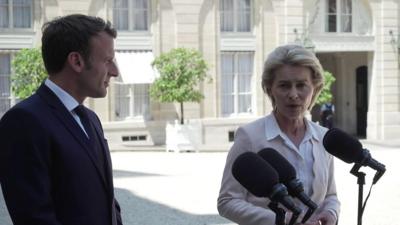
(259, 178)
(287, 176)
(350, 150)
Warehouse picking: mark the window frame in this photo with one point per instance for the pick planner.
(339, 14)
(10, 18)
(131, 98)
(131, 16)
(236, 92)
(235, 17)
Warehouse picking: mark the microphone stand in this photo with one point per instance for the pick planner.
(360, 181)
(280, 213)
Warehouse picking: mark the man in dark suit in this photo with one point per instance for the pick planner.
(55, 165)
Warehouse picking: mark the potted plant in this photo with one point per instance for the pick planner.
(181, 71)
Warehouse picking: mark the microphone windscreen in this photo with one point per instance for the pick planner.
(343, 146)
(285, 170)
(255, 174)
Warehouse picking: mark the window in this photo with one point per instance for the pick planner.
(339, 16)
(237, 71)
(5, 94)
(131, 15)
(131, 100)
(16, 13)
(235, 15)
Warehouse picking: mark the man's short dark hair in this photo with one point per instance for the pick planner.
(67, 34)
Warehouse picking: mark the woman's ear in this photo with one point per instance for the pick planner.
(75, 61)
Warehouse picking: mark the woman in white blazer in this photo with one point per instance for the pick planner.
(292, 79)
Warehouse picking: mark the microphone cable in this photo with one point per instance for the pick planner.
(366, 199)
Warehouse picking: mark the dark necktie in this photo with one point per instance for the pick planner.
(93, 140)
(81, 112)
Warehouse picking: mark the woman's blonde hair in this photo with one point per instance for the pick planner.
(294, 55)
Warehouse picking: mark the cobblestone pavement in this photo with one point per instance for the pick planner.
(157, 188)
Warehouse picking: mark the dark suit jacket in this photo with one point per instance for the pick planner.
(48, 172)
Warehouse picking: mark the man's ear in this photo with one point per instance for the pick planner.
(76, 62)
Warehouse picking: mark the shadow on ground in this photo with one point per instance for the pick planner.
(139, 211)
(125, 174)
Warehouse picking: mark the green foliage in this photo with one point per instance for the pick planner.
(28, 72)
(326, 94)
(181, 71)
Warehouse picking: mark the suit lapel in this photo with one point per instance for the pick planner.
(65, 117)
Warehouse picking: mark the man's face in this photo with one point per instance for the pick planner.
(99, 68)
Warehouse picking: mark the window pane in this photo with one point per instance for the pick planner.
(22, 13)
(141, 99)
(140, 20)
(245, 65)
(332, 6)
(140, 4)
(346, 7)
(245, 103)
(120, 14)
(236, 77)
(331, 23)
(346, 23)
(140, 11)
(227, 104)
(227, 82)
(245, 71)
(346, 16)
(226, 14)
(243, 16)
(227, 73)
(4, 13)
(122, 99)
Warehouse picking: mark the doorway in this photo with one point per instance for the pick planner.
(362, 100)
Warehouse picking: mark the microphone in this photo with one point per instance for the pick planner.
(259, 178)
(350, 150)
(287, 176)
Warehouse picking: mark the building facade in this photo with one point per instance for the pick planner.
(356, 40)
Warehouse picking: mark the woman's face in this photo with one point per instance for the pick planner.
(292, 91)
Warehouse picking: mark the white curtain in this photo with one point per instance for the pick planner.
(131, 14)
(235, 15)
(362, 18)
(226, 12)
(121, 15)
(22, 13)
(227, 82)
(122, 99)
(141, 100)
(131, 100)
(140, 14)
(4, 83)
(243, 15)
(236, 91)
(245, 71)
(346, 12)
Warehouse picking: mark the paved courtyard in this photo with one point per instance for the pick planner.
(157, 188)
